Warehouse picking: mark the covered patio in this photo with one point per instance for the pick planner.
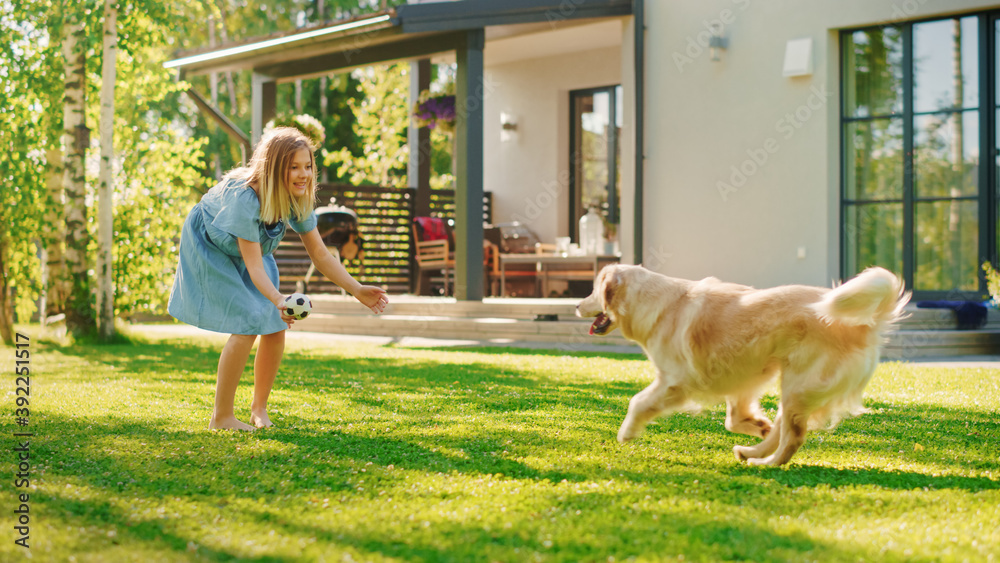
(417, 33)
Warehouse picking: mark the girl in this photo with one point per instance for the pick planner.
(226, 275)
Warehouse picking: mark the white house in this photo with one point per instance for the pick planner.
(782, 141)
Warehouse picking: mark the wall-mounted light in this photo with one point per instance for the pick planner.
(717, 43)
(798, 57)
(508, 127)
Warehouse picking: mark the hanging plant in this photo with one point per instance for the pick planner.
(992, 282)
(435, 111)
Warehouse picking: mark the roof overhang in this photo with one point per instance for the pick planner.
(477, 14)
(406, 32)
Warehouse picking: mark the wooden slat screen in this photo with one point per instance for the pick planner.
(384, 216)
(443, 205)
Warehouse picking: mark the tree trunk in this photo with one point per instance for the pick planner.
(53, 298)
(79, 313)
(6, 307)
(51, 232)
(105, 202)
(213, 83)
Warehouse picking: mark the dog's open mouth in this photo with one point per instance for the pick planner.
(601, 324)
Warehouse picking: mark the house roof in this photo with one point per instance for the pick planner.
(408, 31)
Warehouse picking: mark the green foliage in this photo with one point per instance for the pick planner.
(161, 140)
(992, 282)
(239, 21)
(307, 124)
(24, 135)
(381, 118)
(395, 454)
(158, 167)
(148, 220)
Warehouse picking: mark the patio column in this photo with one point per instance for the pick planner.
(470, 94)
(263, 100)
(418, 172)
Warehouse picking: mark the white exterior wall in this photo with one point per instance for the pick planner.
(702, 118)
(529, 175)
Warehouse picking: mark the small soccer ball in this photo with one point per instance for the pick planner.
(297, 306)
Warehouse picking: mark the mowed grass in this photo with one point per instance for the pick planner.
(391, 454)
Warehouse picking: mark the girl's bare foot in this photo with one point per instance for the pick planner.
(260, 419)
(229, 423)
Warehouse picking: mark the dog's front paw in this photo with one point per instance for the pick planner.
(741, 453)
(627, 434)
(759, 461)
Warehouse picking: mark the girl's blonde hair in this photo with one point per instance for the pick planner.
(268, 170)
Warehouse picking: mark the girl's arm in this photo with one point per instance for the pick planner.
(255, 267)
(370, 296)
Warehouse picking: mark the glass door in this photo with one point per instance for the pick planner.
(596, 120)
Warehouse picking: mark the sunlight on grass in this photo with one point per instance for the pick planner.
(392, 454)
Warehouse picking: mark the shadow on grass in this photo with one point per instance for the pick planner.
(166, 358)
(224, 475)
(273, 471)
(466, 382)
(662, 534)
(960, 439)
(153, 534)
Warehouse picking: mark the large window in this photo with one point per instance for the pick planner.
(916, 199)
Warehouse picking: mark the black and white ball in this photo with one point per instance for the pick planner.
(297, 306)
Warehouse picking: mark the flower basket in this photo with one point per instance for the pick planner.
(435, 112)
(992, 282)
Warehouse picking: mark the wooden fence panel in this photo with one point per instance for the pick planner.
(385, 216)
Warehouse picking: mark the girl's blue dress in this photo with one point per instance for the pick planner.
(212, 289)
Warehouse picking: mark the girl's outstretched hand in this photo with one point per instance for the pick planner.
(372, 297)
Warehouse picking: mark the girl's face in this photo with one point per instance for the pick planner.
(299, 173)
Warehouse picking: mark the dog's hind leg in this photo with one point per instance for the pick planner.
(657, 399)
(793, 427)
(764, 448)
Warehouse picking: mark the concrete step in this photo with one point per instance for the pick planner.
(498, 329)
(527, 309)
(910, 344)
(916, 318)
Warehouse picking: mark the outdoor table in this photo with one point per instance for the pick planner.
(556, 266)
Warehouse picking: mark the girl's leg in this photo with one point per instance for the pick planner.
(231, 363)
(265, 369)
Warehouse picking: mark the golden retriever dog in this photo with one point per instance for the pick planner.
(711, 340)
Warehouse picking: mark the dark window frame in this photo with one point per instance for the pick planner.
(987, 197)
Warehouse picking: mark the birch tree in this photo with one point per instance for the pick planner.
(54, 280)
(105, 213)
(79, 313)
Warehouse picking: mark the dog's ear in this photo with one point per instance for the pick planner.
(609, 285)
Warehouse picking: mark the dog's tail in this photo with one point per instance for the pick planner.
(875, 297)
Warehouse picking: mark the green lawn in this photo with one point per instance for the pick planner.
(395, 454)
